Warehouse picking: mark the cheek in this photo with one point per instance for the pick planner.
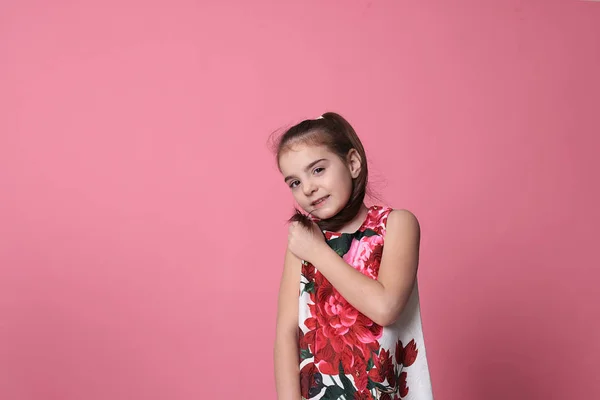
(342, 181)
(299, 198)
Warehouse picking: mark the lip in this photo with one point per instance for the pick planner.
(314, 203)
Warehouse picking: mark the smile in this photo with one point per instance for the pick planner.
(319, 202)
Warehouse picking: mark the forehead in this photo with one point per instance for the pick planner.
(298, 156)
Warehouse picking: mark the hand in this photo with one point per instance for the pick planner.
(305, 243)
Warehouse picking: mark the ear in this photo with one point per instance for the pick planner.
(353, 161)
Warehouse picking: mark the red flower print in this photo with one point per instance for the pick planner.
(363, 395)
(359, 372)
(361, 257)
(373, 217)
(402, 385)
(406, 355)
(377, 219)
(384, 368)
(338, 330)
(387, 366)
(374, 261)
(311, 381)
(387, 396)
(351, 255)
(348, 358)
(410, 353)
(308, 271)
(362, 260)
(399, 352)
(375, 374)
(331, 235)
(301, 341)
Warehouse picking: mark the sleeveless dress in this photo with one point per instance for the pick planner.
(345, 355)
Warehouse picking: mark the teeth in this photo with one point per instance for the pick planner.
(320, 201)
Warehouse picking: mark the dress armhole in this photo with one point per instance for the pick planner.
(383, 221)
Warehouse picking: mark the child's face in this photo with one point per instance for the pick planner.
(320, 181)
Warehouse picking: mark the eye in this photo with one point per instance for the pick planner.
(293, 184)
(318, 170)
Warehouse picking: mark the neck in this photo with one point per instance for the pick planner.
(357, 221)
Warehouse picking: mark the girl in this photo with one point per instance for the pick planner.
(353, 328)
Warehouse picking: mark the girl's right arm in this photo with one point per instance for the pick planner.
(286, 355)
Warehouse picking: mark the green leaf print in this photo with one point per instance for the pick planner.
(366, 233)
(309, 287)
(373, 385)
(333, 393)
(342, 244)
(349, 389)
(305, 353)
(370, 364)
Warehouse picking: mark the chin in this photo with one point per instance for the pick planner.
(326, 212)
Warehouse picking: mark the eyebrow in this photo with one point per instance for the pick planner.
(309, 166)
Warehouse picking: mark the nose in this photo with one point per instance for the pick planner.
(308, 187)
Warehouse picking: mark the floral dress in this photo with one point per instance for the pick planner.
(345, 355)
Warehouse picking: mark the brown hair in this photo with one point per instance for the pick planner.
(334, 132)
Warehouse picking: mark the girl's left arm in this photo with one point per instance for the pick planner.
(381, 300)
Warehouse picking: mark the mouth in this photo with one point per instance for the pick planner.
(320, 201)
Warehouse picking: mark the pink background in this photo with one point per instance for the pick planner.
(142, 216)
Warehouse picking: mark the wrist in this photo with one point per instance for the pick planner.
(321, 253)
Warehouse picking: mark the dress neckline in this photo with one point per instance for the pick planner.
(360, 228)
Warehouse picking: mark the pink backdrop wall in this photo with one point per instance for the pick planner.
(141, 215)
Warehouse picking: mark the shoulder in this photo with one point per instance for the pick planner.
(402, 216)
(402, 221)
